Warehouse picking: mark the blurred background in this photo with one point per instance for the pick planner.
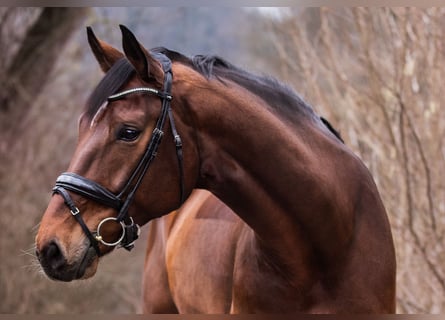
(376, 73)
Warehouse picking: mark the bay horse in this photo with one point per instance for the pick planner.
(291, 221)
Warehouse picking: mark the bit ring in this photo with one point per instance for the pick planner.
(110, 244)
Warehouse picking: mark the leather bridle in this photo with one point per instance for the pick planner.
(121, 201)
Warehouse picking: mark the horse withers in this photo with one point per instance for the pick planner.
(293, 221)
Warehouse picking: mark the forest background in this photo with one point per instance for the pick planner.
(375, 73)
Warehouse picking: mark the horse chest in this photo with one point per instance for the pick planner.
(199, 261)
(213, 267)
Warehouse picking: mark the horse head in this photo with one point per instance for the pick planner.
(108, 188)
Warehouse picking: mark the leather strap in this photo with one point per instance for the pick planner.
(76, 214)
(179, 155)
(88, 188)
(155, 140)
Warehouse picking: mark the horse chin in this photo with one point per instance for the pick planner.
(88, 266)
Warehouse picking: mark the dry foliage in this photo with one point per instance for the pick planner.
(36, 146)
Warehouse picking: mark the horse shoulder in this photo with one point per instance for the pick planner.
(200, 254)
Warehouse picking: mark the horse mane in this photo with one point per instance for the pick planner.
(284, 102)
(282, 99)
(279, 96)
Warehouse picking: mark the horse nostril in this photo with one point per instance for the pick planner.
(52, 256)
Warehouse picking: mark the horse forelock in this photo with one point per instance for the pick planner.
(118, 75)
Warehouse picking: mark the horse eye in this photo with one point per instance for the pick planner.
(128, 134)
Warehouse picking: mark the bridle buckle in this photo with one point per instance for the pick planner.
(75, 211)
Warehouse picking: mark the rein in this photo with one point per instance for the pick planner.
(122, 201)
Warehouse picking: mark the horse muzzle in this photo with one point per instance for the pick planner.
(56, 265)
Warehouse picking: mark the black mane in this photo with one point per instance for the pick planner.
(282, 99)
(279, 96)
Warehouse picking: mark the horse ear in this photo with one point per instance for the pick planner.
(105, 54)
(146, 66)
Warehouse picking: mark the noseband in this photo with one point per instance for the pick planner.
(121, 201)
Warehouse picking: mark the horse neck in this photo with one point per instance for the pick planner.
(280, 184)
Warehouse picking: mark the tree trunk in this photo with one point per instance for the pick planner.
(31, 66)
